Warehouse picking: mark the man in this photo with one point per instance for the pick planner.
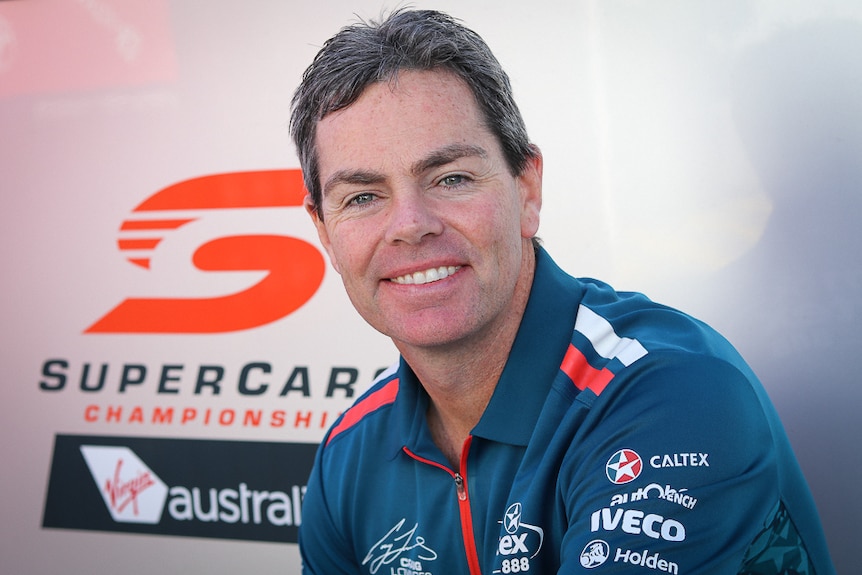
(535, 422)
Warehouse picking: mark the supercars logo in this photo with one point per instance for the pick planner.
(293, 268)
(624, 466)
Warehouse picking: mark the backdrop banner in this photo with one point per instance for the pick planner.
(196, 488)
(174, 342)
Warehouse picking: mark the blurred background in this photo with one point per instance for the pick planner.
(705, 153)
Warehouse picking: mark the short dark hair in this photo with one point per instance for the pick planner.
(365, 53)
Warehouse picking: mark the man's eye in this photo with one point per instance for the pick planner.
(453, 181)
(360, 199)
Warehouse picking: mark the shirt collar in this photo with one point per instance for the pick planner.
(539, 347)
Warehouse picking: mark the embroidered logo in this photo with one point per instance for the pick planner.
(595, 553)
(403, 546)
(624, 466)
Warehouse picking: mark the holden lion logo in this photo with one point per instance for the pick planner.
(625, 465)
(132, 492)
(595, 553)
(285, 271)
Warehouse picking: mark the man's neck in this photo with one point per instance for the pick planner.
(461, 378)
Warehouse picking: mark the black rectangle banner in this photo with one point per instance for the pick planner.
(194, 488)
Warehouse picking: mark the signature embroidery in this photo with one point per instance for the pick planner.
(394, 543)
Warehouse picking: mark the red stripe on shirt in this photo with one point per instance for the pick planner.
(383, 396)
(582, 374)
(464, 509)
(467, 515)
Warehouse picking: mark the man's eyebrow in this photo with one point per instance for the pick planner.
(437, 158)
(446, 155)
(357, 177)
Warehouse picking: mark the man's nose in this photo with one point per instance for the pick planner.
(412, 217)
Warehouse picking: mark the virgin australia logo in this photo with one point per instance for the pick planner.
(130, 490)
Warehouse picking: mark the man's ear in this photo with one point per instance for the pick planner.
(530, 185)
(322, 232)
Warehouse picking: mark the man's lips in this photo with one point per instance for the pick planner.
(426, 276)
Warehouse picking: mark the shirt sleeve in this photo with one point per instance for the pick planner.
(674, 471)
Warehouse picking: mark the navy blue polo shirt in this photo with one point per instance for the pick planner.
(622, 437)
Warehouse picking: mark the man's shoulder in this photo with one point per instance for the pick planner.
(623, 340)
(601, 310)
(632, 316)
(378, 397)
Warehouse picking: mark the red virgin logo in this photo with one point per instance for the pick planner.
(123, 493)
(131, 491)
(293, 267)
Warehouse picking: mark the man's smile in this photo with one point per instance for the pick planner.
(427, 276)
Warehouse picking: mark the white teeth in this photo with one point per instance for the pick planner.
(428, 276)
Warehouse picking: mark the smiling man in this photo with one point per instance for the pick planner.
(430, 232)
(517, 430)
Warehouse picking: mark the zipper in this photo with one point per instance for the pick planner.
(462, 492)
(459, 487)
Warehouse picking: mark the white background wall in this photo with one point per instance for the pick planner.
(706, 153)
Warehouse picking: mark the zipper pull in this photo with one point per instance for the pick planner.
(459, 486)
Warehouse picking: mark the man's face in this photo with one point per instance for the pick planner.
(421, 215)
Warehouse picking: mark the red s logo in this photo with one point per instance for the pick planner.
(295, 267)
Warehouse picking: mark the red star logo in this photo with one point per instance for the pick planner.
(625, 465)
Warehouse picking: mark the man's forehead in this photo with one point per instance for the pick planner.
(426, 118)
(406, 86)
